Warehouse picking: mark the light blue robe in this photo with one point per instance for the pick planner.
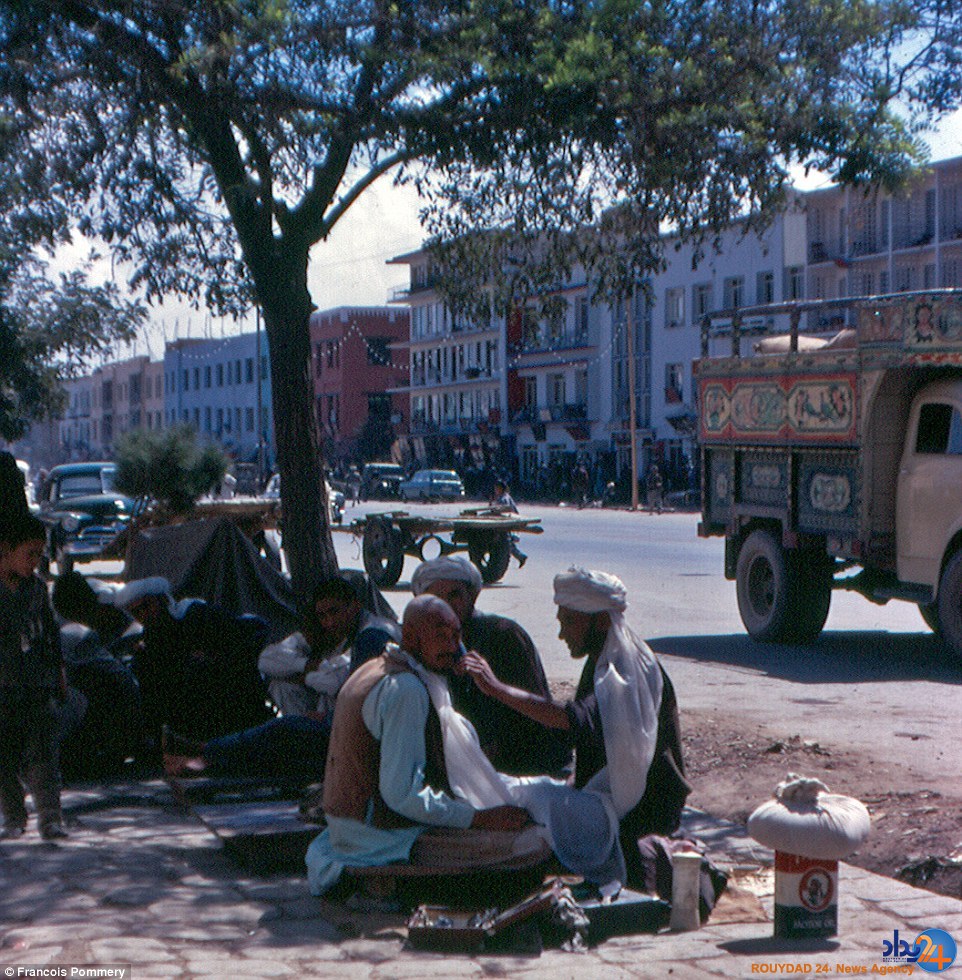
(395, 713)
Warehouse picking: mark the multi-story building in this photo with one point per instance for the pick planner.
(866, 242)
(223, 389)
(75, 427)
(555, 385)
(359, 363)
(458, 385)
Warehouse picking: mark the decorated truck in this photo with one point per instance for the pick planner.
(838, 464)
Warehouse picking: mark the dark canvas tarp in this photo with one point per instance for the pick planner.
(211, 559)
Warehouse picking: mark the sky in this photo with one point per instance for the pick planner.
(349, 269)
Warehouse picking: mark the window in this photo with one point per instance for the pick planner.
(207, 376)
(207, 418)
(674, 383)
(940, 430)
(530, 392)
(249, 371)
(674, 307)
(556, 389)
(701, 301)
(230, 372)
(249, 414)
(765, 287)
(581, 319)
(377, 351)
(196, 379)
(185, 381)
(734, 288)
(220, 375)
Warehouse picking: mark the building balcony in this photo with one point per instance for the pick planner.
(574, 412)
(543, 341)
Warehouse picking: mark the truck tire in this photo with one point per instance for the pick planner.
(950, 604)
(782, 597)
(929, 611)
(383, 552)
(813, 584)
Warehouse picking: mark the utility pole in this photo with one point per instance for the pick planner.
(260, 417)
(632, 408)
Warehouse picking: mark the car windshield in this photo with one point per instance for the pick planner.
(84, 484)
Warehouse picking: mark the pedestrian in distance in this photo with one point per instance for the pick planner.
(655, 486)
(503, 503)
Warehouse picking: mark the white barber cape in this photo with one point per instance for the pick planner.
(580, 825)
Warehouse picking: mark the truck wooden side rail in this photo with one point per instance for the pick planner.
(838, 464)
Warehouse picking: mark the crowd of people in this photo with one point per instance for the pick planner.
(434, 736)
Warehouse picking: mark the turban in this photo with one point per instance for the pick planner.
(445, 570)
(589, 591)
(143, 588)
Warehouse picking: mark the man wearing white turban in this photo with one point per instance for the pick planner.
(514, 744)
(622, 723)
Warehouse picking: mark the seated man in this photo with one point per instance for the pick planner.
(514, 743)
(197, 665)
(305, 670)
(623, 725)
(393, 768)
(97, 639)
(311, 666)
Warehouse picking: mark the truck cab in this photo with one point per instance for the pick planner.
(929, 495)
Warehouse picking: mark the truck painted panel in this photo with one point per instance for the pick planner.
(787, 409)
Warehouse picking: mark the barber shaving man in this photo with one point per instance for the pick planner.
(514, 743)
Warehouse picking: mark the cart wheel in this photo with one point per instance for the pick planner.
(491, 553)
(383, 553)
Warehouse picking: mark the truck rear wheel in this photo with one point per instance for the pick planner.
(950, 604)
(929, 611)
(782, 598)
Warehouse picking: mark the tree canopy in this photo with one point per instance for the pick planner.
(212, 144)
(50, 330)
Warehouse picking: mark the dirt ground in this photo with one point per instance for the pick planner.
(916, 831)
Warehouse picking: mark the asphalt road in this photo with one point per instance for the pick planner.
(876, 682)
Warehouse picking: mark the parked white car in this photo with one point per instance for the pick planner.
(432, 485)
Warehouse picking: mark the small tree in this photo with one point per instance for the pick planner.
(172, 466)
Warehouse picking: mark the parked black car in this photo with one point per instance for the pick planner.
(83, 512)
(381, 481)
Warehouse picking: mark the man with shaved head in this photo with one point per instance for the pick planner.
(393, 770)
(514, 743)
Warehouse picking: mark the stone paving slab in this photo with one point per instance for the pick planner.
(141, 882)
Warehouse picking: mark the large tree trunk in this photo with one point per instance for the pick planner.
(287, 307)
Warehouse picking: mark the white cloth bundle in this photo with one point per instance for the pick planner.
(806, 819)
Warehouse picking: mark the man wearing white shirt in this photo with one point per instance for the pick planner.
(306, 671)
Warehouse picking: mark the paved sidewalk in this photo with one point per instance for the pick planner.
(142, 883)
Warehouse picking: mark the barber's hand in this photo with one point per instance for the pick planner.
(479, 670)
(501, 818)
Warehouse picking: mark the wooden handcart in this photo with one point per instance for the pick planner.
(484, 534)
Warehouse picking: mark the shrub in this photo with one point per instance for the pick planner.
(170, 465)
